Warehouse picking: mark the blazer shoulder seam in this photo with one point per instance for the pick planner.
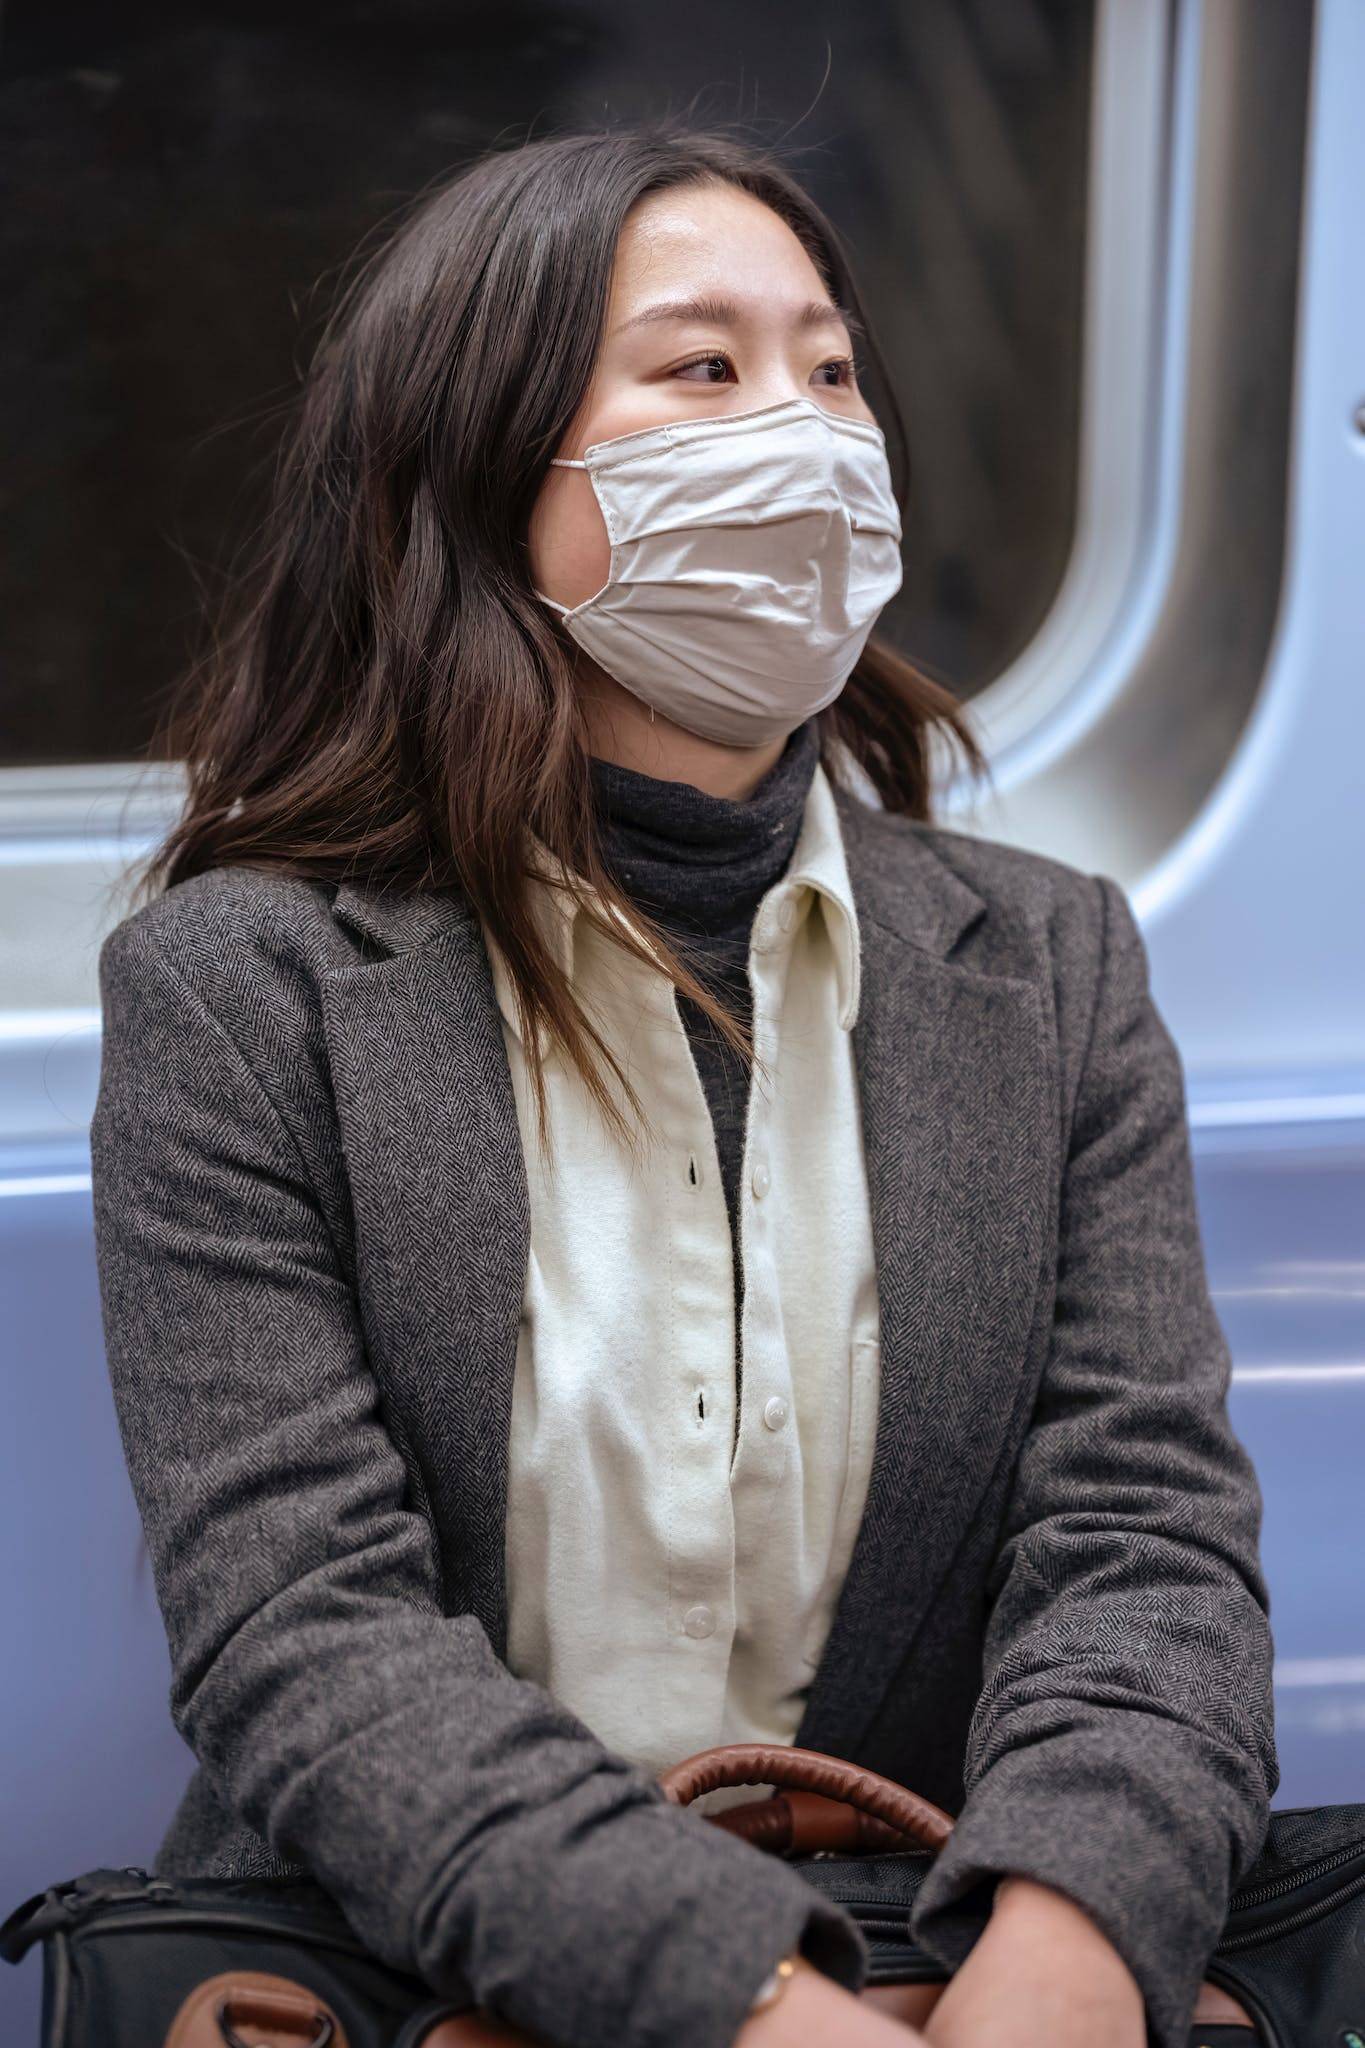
(134, 933)
(1104, 950)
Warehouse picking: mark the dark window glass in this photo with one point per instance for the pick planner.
(185, 182)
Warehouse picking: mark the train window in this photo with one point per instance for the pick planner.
(195, 177)
(1109, 731)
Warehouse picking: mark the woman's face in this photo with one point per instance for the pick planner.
(767, 331)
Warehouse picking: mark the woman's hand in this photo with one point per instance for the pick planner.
(815, 2012)
(1041, 1975)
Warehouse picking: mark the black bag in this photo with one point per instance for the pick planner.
(124, 1953)
(1292, 1949)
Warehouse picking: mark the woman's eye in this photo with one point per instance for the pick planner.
(844, 370)
(704, 362)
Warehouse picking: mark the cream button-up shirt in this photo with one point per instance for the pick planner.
(671, 1594)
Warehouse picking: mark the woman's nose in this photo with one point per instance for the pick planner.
(776, 389)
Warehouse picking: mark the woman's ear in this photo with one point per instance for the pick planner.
(567, 539)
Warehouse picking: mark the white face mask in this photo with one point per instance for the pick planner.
(750, 557)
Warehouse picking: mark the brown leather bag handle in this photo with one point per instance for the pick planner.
(276, 2011)
(824, 1803)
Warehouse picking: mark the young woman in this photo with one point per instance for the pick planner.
(616, 1232)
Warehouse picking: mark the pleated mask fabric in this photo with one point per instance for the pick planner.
(750, 557)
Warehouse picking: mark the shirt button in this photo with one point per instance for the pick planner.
(699, 1621)
(761, 1180)
(775, 1412)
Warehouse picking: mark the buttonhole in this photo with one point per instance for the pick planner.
(692, 1170)
(701, 1406)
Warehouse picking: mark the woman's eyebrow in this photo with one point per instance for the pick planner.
(725, 313)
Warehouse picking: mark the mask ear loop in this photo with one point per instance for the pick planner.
(568, 462)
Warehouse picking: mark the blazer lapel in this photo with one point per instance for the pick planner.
(957, 1120)
(429, 1128)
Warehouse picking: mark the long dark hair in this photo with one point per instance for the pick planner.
(384, 700)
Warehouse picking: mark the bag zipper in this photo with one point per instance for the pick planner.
(111, 1921)
(876, 1920)
(872, 1916)
(1302, 1918)
(1273, 1887)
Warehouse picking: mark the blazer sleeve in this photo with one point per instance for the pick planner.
(1122, 1747)
(473, 1831)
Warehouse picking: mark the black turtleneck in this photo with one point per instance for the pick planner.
(700, 865)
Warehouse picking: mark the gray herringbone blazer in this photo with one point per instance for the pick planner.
(312, 1224)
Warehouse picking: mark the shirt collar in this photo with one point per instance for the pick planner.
(818, 864)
